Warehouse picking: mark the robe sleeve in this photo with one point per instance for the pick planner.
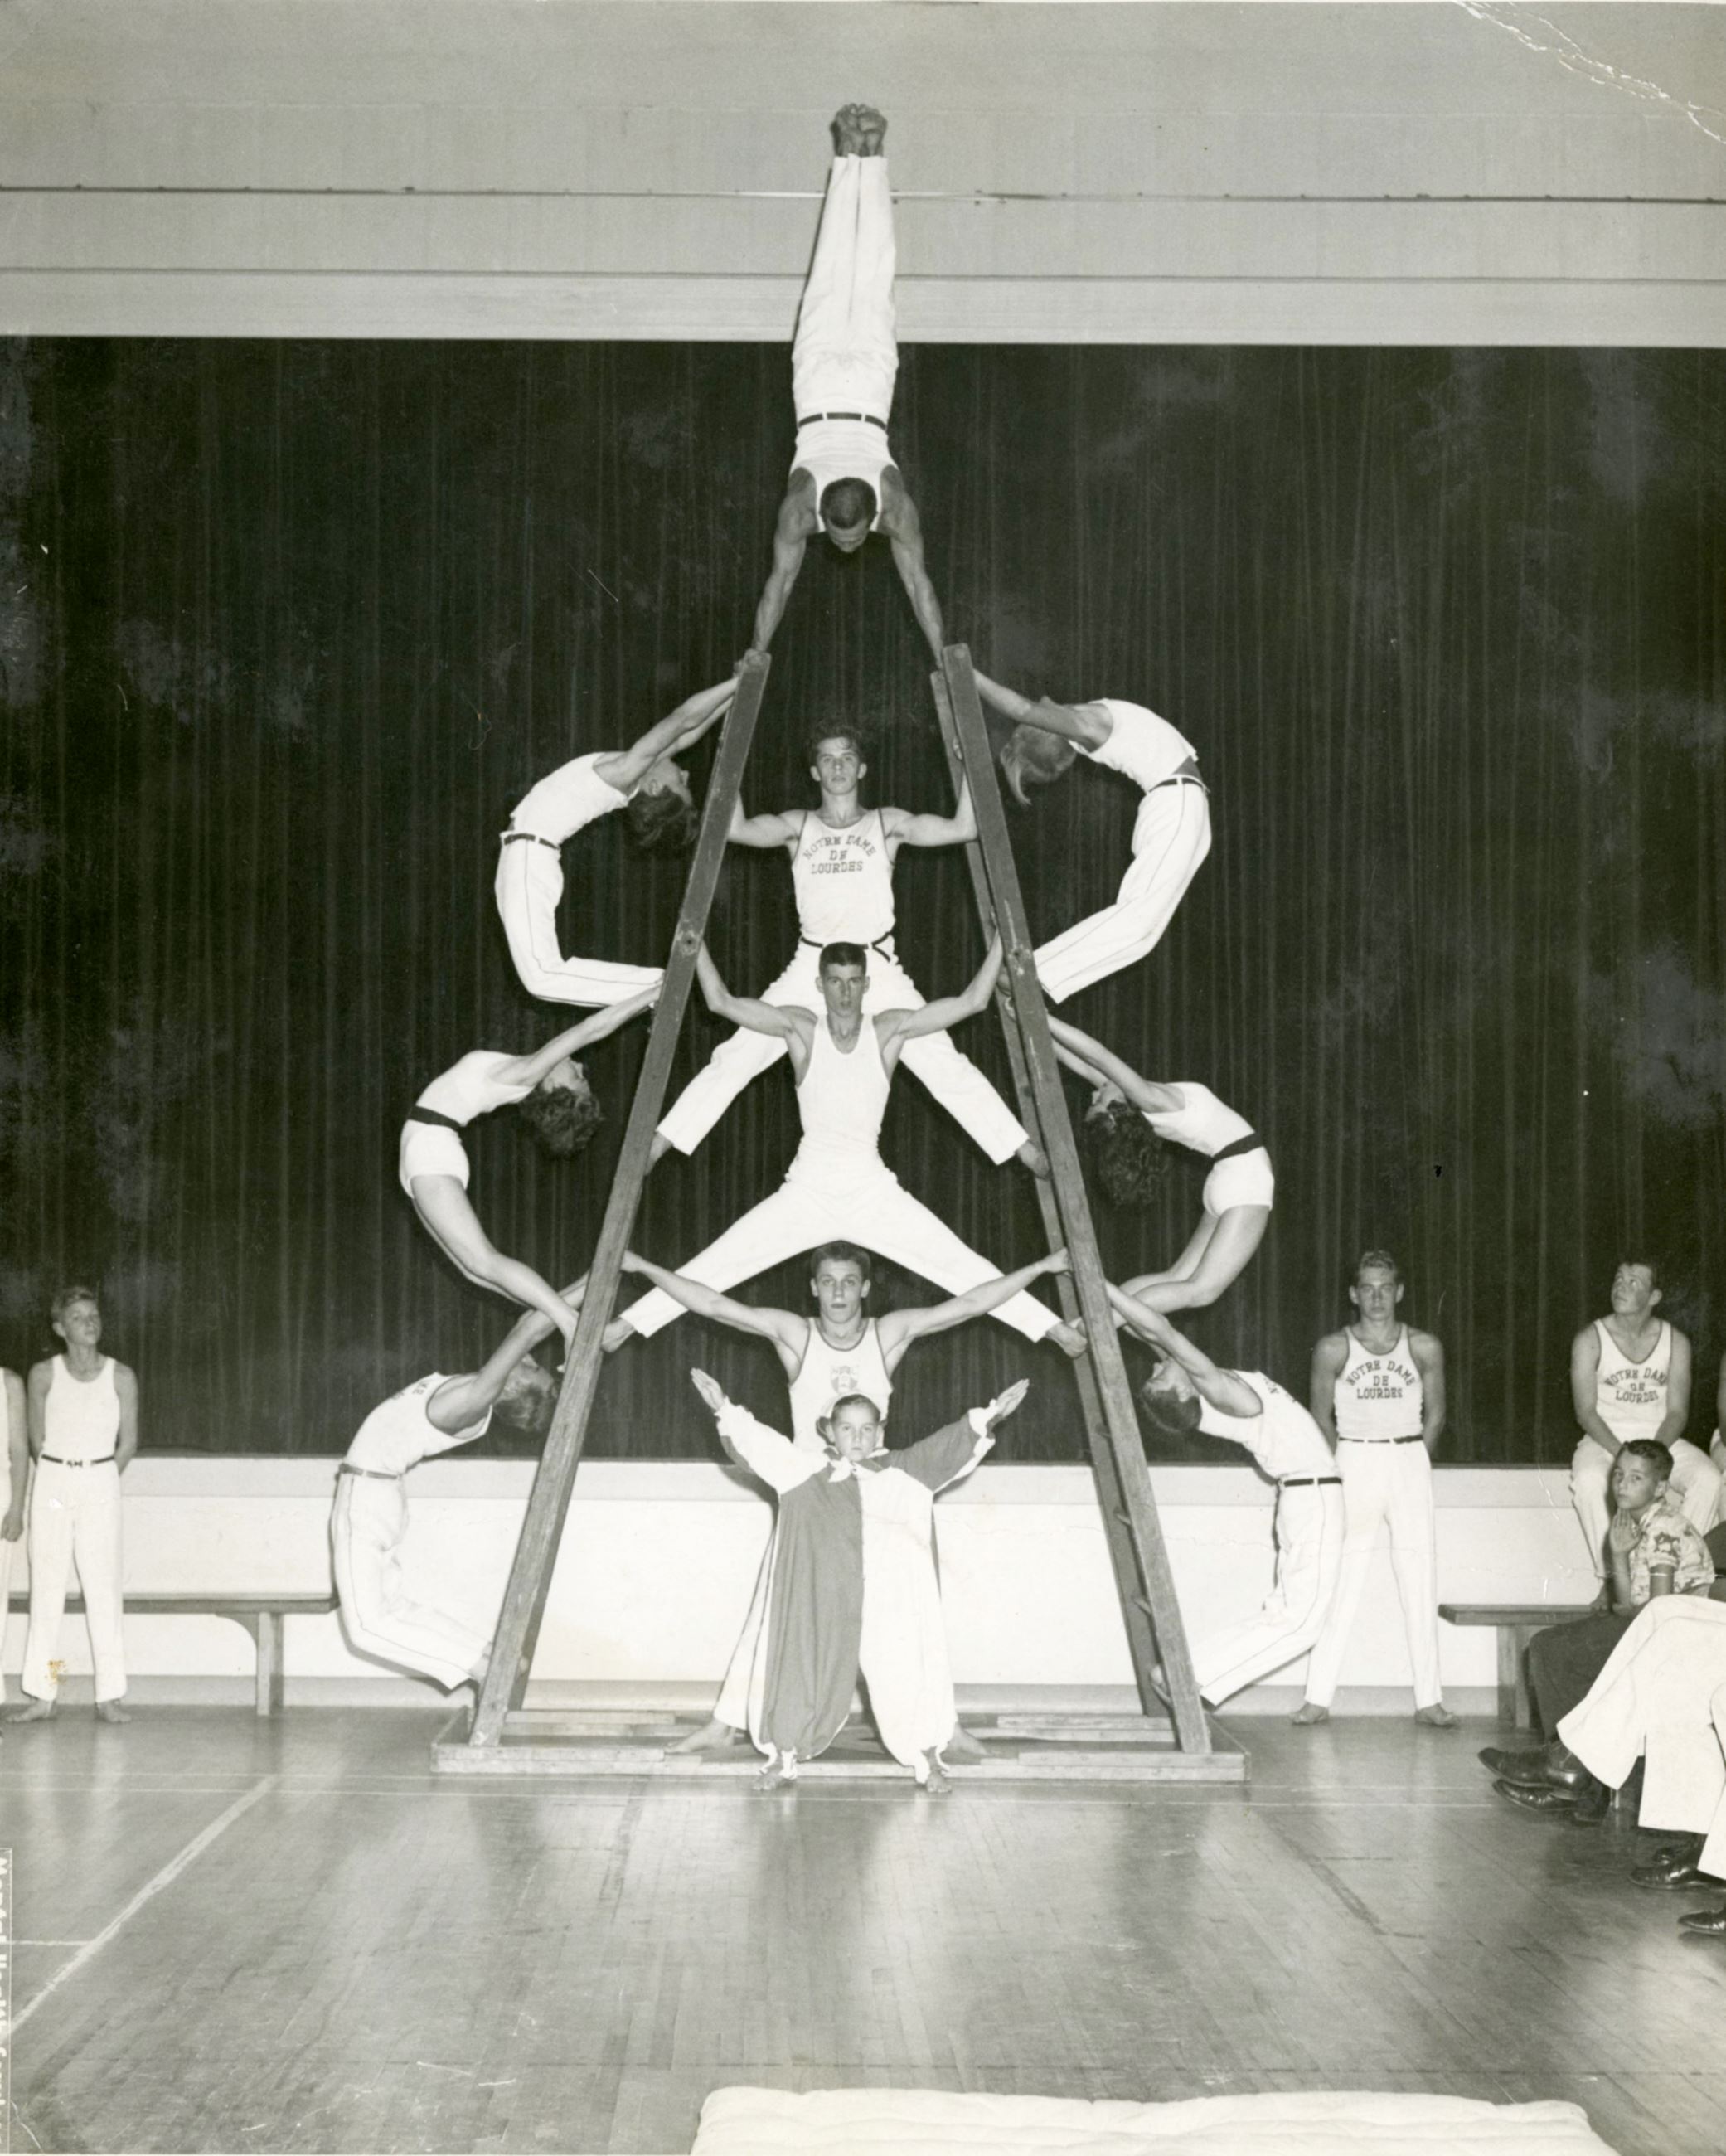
(936, 1461)
(763, 1451)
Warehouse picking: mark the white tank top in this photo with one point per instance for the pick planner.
(1285, 1439)
(843, 880)
(80, 1421)
(567, 799)
(842, 1099)
(844, 448)
(399, 1434)
(472, 1087)
(828, 1374)
(1202, 1122)
(1140, 746)
(1379, 1395)
(1629, 1397)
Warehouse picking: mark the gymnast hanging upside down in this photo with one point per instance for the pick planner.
(1129, 1120)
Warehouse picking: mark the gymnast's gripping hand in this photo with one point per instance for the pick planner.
(1000, 1408)
(710, 1390)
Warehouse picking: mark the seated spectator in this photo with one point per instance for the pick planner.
(1654, 1551)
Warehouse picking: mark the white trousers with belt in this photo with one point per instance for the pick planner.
(824, 1200)
(1695, 1477)
(529, 883)
(1713, 1858)
(1309, 1548)
(1656, 1699)
(367, 1528)
(954, 1079)
(74, 1523)
(1170, 839)
(8, 1550)
(845, 354)
(1384, 1485)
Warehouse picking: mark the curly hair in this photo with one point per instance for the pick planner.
(562, 1118)
(661, 822)
(528, 1409)
(847, 503)
(1030, 756)
(815, 735)
(1130, 1158)
(1175, 1417)
(66, 1297)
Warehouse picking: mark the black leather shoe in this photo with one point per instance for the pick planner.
(1564, 1770)
(1551, 1803)
(1594, 1800)
(1526, 1769)
(1710, 1922)
(1661, 1878)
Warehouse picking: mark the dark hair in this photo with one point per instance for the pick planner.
(1378, 1261)
(1175, 1417)
(67, 1297)
(1032, 755)
(529, 1410)
(842, 1253)
(661, 822)
(842, 954)
(847, 503)
(1648, 1266)
(816, 735)
(854, 1400)
(562, 1118)
(1130, 1158)
(1659, 1455)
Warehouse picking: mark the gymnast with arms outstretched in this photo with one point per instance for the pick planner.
(555, 1098)
(1127, 1127)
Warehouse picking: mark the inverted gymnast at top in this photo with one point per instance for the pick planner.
(844, 360)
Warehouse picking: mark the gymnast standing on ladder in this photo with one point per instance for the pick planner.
(554, 1095)
(1170, 838)
(1127, 1127)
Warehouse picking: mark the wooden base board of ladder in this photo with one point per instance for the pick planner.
(612, 1744)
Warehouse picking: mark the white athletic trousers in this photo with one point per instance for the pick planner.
(75, 1521)
(1385, 1484)
(1309, 1529)
(367, 1528)
(1170, 840)
(6, 1549)
(1713, 1858)
(530, 882)
(954, 1079)
(845, 355)
(1695, 1477)
(823, 1202)
(1655, 1697)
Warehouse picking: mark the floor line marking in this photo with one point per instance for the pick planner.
(147, 1892)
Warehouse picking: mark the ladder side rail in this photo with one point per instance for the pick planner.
(1163, 1608)
(1141, 1640)
(524, 1605)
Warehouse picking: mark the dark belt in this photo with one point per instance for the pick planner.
(868, 418)
(417, 1114)
(1179, 779)
(1307, 1481)
(1251, 1143)
(533, 838)
(1380, 1440)
(880, 944)
(370, 1473)
(59, 1462)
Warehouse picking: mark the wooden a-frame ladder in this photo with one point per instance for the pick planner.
(1134, 1538)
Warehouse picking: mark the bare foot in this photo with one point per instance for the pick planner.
(847, 140)
(774, 1778)
(937, 1783)
(871, 129)
(1308, 1715)
(111, 1710)
(1034, 1158)
(1438, 1715)
(964, 1747)
(1069, 1339)
(717, 1737)
(38, 1710)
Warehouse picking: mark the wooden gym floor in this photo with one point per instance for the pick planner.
(239, 1935)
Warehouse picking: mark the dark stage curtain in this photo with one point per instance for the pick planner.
(286, 630)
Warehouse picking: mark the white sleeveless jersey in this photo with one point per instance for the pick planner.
(1379, 1396)
(472, 1087)
(1285, 1439)
(842, 881)
(1630, 1397)
(829, 1373)
(572, 797)
(1202, 1122)
(399, 1434)
(1140, 746)
(844, 448)
(842, 1101)
(80, 1421)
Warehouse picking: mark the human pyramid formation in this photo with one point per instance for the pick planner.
(849, 1585)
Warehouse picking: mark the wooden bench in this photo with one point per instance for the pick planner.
(260, 1614)
(1517, 1624)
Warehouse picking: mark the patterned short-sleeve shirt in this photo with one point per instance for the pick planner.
(1669, 1542)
